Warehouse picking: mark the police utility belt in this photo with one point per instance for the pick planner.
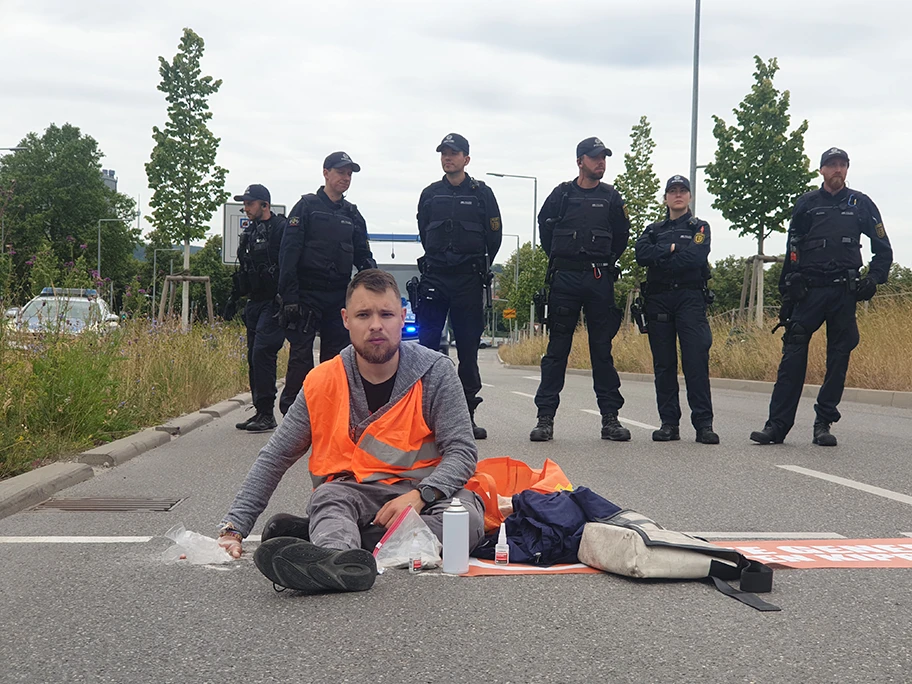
(846, 278)
(469, 267)
(659, 288)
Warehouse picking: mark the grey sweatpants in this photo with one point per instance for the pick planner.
(340, 509)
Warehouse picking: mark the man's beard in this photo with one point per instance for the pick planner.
(595, 175)
(374, 353)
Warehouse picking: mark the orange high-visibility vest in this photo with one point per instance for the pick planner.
(397, 446)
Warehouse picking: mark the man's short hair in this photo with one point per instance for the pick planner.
(375, 280)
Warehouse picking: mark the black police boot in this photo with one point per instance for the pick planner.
(244, 423)
(767, 435)
(666, 433)
(822, 436)
(544, 430)
(478, 432)
(705, 435)
(263, 422)
(613, 430)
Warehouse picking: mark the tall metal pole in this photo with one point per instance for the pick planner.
(694, 107)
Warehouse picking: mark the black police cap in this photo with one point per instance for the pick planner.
(831, 153)
(339, 159)
(677, 180)
(254, 192)
(591, 147)
(455, 142)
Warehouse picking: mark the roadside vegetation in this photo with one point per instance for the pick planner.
(63, 394)
(882, 360)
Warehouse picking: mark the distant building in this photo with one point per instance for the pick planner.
(109, 177)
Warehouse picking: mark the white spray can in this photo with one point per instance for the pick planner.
(456, 539)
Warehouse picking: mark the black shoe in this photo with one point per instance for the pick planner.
(263, 422)
(666, 433)
(243, 424)
(286, 525)
(822, 436)
(312, 569)
(613, 430)
(479, 432)
(766, 436)
(544, 430)
(705, 435)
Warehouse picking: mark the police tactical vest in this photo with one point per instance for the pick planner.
(833, 241)
(584, 231)
(260, 273)
(328, 249)
(683, 236)
(456, 223)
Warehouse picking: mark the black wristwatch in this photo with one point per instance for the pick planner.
(430, 494)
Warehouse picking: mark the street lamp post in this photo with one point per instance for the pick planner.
(534, 180)
(696, 94)
(155, 268)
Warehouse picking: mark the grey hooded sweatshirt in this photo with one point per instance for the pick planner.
(443, 406)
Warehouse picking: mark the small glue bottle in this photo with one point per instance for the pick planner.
(414, 556)
(502, 549)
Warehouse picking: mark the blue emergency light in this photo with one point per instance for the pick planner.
(68, 292)
(411, 329)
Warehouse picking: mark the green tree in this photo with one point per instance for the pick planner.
(760, 168)
(639, 186)
(533, 266)
(56, 198)
(187, 184)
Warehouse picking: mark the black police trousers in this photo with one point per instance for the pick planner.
(462, 295)
(572, 291)
(674, 315)
(265, 338)
(321, 312)
(834, 305)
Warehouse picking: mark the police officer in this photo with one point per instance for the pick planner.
(460, 229)
(820, 282)
(325, 237)
(257, 278)
(675, 253)
(584, 230)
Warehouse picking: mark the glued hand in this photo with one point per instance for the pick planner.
(392, 509)
(232, 545)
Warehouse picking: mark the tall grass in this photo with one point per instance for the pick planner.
(61, 394)
(882, 360)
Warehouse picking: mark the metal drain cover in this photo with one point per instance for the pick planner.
(112, 504)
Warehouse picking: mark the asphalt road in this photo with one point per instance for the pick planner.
(93, 612)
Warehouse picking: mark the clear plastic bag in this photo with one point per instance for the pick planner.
(193, 547)
(393, 550)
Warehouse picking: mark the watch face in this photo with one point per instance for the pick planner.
(427, 495)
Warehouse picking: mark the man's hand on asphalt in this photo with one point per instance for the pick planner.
(393, 508)
(231, 545)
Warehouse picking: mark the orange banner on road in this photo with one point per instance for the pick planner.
(829, 553)
(478, 567)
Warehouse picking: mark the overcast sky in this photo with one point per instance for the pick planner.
(524, 81)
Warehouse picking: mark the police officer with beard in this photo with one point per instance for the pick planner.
(460, 229)
(257, 278)
(584, 230)
(675, 252)
(325, 237)
(820, 282)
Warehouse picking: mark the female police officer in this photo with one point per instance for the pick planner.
(675, 253)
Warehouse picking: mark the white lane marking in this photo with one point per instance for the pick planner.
(74, 540)
(624, 420)
(523, 394)
(484, 384)
(906, 534)
(739, 536)
(532, 377)
(861, 486)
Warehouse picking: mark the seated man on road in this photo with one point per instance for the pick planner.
(405, 440)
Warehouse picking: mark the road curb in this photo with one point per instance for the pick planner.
(122, 450)
(859, 395)
(184, 424)
(29, 489)
(221, 409)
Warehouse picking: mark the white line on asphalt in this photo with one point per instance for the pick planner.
(523, 394)
(861, 486)
(532, 377)
(906, 534)
(484, 384)
(624, 420)
(739, 536)
(74, 540)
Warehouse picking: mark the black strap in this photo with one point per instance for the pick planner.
(561, 264)
(755, 578)
(657, 288)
